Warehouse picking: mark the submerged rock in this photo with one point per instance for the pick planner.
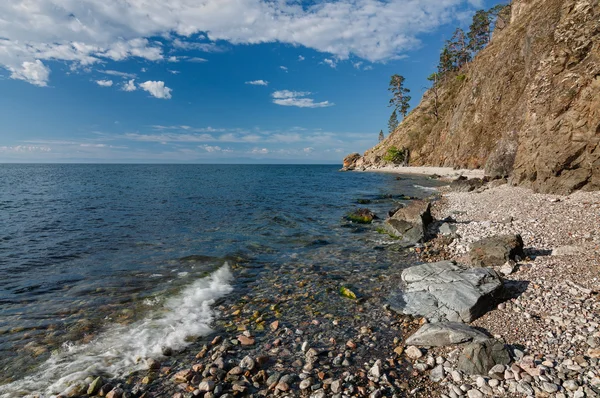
(446, 291)
(361, 216)
(444, 334)
(496, 250)
(409, 223)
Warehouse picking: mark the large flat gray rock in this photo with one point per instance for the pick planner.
(444, 334)
(445, 291)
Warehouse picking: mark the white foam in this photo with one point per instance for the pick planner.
(425, 188)
(119, 350)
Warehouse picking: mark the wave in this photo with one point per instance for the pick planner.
(430, 189)
(121, 349)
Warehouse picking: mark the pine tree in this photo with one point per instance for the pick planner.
(381, 136)
(434, 78)
(400, 98)
(458, 48)
(445, 65)
(499, 14)
(480, 31)
(393, 122)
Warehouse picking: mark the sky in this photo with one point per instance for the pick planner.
(210, 81)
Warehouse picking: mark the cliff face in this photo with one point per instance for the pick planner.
(535, 88)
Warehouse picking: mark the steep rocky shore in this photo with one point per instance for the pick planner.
(527, 102)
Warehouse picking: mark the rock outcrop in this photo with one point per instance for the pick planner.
(526, 106)
(410, 223)
(445, 291)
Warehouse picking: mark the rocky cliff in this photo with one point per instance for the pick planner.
(528, 105)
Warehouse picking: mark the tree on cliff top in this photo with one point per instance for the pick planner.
(381, 136)
(458, 47)
(400, 98)
(480, 31)
(393, 122)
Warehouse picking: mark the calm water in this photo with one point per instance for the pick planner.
(83, 247)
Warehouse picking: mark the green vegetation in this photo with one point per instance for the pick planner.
(346, 292)
(361, 216)
(395, 155)
(400, 98)
(381, 136)
(393, 122)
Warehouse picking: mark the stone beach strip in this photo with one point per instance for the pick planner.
(549, 317)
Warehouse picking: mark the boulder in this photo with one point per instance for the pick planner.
(501, 161)
(479, 358)
(496, 250)
(445, 291)
(463, 184)
(361, 216)
(442, 334)
(410, 223)
(350, 161)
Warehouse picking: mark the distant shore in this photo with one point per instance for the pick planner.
(443, 172)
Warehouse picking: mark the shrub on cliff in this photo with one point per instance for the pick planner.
(395, 155)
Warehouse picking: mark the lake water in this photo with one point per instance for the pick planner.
(102, 264)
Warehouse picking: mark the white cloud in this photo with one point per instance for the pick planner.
(173, 59)
(298, 99)
(330, 62)
(308, 150)
(301, 58)
(156, 89)
(143, 70)
(86, 32)
(120, 74)
(260, 151)
(24, 148)
(104, 83)
(258, 83)
(284, 68)
(209, 148)
(196, 60)
(32, 72)
(129, 86)
(174, 72)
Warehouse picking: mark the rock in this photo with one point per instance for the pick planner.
(94, 386)
(496, 250)
(274, 326)
(375, 371)
(306, 383)
(413, 352)
(437, 374)
(462, 184)
(361, 216)
(474, 393)
(273, 378)
(447, 229)
(115, 393)
(247, 363)
(445, 333)
(206, 386)
(446, 291)
(508, 268)
(502, 159)
(570, 385)
(152, 364)
(409, 223)
(336, 386)
(244, 340)
(479, 358)
(350, 161)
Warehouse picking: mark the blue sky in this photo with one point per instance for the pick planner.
(210, 81)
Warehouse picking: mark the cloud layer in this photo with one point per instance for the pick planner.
(298, 99)
(86, 32)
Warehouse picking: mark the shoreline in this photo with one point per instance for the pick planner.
(442, 172)
(259, 348)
